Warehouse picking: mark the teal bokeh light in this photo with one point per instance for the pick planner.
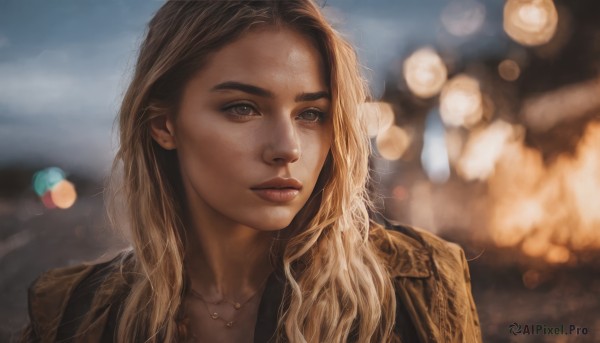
(45, 179)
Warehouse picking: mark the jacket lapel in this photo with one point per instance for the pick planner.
(412, 267)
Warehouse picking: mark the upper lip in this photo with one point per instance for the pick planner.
(280, 182)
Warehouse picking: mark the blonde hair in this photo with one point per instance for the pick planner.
(338, 289)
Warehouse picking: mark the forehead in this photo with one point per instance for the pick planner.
(269, 57)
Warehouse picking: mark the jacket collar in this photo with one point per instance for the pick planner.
(409, 258)
(407, 254)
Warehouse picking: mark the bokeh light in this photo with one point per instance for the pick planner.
(531, 278)
(483, 150)
(567, 103)
(63, 194)
(425, 72)
(47, 200)
(461, 102)
(509, 70)
(53, 189)
(553, 208)
(434, 155)
(538, 245)
(558, 254)
(530, 22)
(392, 143)
(380, 116)
(463, 17)
(454, 144)
(47, 178)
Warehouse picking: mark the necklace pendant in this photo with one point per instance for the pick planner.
(237, 306)
(214, 315)
(229, 324)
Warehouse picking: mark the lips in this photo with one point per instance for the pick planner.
(278, 190)
(279, 183)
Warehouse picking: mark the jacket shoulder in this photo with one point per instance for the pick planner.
(419, 249)
(447, 256)
(60, 298)
(48, 297)
(402, 249)
(432, 280)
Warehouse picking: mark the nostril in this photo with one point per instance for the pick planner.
(281, 152)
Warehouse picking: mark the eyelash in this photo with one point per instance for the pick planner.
(230, 110)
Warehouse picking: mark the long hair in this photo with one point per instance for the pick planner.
(337, 289)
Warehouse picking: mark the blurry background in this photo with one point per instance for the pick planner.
(485, 124)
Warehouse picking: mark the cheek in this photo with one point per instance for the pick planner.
(208, 151)
(315, 150)
(211, 135)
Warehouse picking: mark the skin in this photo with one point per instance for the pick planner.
(230, 139)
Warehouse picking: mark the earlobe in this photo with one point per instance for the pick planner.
(162, 131)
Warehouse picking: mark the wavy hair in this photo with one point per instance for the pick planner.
(338, 289)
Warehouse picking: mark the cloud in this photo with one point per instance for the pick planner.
(59, 106)
(4, 42)
(62, 77)
(78, 82)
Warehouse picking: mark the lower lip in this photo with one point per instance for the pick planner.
(277, 195)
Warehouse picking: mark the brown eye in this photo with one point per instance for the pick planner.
(240, 110)
(312, 115)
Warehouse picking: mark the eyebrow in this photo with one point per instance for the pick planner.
(255, 90)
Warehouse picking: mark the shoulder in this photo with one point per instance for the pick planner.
(432, 282)
(61, 299)
(415, 252)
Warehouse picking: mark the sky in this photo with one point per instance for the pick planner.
(64, 65)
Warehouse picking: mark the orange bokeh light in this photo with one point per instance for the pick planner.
(509, 70)
(392, 143)
(549, 209)
(379, 116)
(425, 72)
(461, 102)
(530, 22)
(63, 194)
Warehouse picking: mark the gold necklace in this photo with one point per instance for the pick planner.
(236, 305)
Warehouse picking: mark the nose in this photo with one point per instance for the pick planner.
(283, 145)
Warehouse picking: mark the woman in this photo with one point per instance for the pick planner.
(245, 164)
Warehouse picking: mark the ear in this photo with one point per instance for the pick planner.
(163, 131)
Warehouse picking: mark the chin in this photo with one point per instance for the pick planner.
(266, 218)
(271, 220)
(273, 225)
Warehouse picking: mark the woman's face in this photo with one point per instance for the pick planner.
(257, 111)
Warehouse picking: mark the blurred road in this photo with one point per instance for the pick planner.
(34, 239)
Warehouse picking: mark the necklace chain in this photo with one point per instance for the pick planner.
(236, 305)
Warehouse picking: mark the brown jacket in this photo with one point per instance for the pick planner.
(431, 276)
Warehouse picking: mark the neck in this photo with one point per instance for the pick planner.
(227, 260)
